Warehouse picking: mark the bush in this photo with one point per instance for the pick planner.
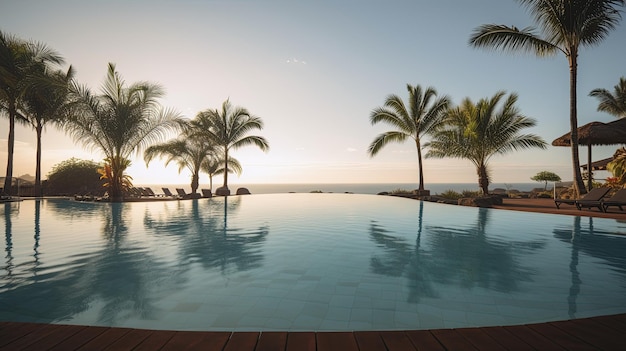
(74, 176)
(451, 194)
(471, 193)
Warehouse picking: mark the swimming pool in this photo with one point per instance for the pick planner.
(323, 262)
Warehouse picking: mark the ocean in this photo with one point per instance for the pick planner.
(357, 188)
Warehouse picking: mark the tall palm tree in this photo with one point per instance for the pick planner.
(566, 25)
(121, 121)
(228, 129)
(422, 115)
(478, 131)
(45, 102)
(188, 150)
(16, 60)
(214, 165)
(612, 103)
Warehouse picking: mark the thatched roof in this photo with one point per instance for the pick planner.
(597, 133)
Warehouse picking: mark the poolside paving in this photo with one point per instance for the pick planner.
(596, 333)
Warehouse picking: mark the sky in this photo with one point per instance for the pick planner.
(313, 71)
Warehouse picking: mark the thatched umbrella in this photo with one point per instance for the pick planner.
(596, 133)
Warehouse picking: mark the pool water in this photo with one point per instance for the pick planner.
(315, 262)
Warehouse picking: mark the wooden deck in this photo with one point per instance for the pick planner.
(597, 333)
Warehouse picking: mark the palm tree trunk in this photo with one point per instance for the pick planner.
(38, 190)
(226, 168)
(194, 182)
(8, 180)
(419, 166)
(483, 179)
(579, 186)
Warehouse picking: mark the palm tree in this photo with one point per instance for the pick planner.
(228, 129)
(214, 165)
(121, 121)
(478, 131)
(45, 102)
(16, 59)
(422, 115)
(189, 151)
(612, 103)
(566, 25)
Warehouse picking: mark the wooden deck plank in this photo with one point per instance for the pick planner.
(397, 341)
(559, 337)
(130, 340)
(301, 341)
(369, 341)
(590, 333)
(108, 337)
(452, 340)
(79, 339)
(424, 340)
(336, 341)
(533, 339)
(612, 322)
(509, 340)
(188, 340)
(593, 333)
(480, 339)
(57, 336)
(155, 341)
(12, 331)
(242, 341)
(35, 333)
(272, 341)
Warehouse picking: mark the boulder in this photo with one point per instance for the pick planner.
(243, 191)
(222, 191)
(486, 201)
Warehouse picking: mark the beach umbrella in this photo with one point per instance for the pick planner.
(596, 133)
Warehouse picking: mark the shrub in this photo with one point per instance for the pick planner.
(451, 194)
(74, 176)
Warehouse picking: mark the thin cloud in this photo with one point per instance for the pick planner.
(295, 61)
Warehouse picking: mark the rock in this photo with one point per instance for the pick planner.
(421, 192)
(243, 191)
(487, 201)
(222, 191)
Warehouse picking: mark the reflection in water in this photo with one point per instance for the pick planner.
(602, 245)
(207, 239)
(91, 280)
(452, 256)
(212, 264)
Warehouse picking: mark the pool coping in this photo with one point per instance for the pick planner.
(603, 332)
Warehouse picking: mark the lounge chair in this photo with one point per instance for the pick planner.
(618, 199)
(167, 192)
(181, 193)
(594, 194)
(149, 192)
(206, 193)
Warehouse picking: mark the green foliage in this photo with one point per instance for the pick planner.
(74, 176)
(546, 176)
(471, 193)
(451, 194)
(476, 131)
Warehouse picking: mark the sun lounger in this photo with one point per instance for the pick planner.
(167, 192)
(181, 193)
(594, 194)
(618, 199)
(206, 193)
(149, 192)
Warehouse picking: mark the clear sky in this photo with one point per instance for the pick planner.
(313, 71)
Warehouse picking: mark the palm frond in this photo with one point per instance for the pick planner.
(511, 39)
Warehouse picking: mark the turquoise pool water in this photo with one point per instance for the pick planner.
(323, 262)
